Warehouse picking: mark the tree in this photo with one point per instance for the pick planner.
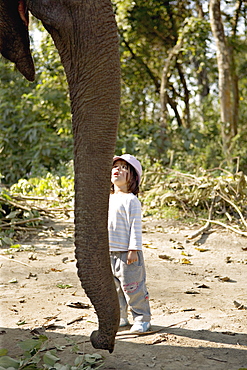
(170, 72)
(224, 73)
(161, 42)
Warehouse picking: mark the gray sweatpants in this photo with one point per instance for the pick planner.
(130, 281)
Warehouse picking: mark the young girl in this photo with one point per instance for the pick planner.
(125, 240)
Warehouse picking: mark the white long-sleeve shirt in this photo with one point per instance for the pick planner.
(124, 222)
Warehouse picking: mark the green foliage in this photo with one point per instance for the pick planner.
(37, 355)
(25, 202)
(148, 32)
(50, 185)
(35, 117)
(192, 195)
(64, 286)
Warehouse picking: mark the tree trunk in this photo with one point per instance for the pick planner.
(202, 75)
(224, 72)
(234, 76)
(186, 112)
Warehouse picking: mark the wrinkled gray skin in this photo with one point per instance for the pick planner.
(85, 34)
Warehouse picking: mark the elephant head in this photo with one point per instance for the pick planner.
(85, 34)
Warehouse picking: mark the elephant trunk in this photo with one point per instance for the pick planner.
(92, 251)
(92, 185)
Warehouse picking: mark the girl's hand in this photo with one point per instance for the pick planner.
(132, 257)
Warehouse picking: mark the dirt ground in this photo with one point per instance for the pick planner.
(199, 309)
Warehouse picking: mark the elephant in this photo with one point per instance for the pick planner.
(85, 34)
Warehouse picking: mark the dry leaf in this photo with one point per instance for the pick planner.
(13, 309)
(32, 256)
(148, 245)
(31, 275)
(80, 318)
(185, 254)
(56, 270)
(225, 278)
(50, 321)
(78, 305)
(185, 261)
(202, 249)
(203, 286)
(228, 259)
(239, 306)
(159, 339)
(191, 292)
(178, 245)
(165, 257)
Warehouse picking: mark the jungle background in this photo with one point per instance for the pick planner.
(183, 112)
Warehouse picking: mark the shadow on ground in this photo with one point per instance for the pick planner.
(160, 350)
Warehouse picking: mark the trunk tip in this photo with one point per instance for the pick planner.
(100, 341)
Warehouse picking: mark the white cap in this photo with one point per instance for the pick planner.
(133, 161)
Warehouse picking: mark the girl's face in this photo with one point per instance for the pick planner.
(119, 174)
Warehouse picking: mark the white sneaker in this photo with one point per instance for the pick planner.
(140, 327)
(123, 322)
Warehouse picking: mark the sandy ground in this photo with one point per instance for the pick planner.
(199, 309)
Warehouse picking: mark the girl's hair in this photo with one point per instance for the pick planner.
(132, 181)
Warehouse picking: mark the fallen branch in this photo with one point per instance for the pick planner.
(119, 334)
(17, 205)
(14, 260)
(20, 222)
(19, 228)
(207, 226)
(243, 233)
(128, 333)
(28, 197)
(234, 206)
(204, 228)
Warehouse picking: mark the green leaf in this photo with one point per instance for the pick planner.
(23, 322)
(7, 240)
(97, 356)
(43, 338)
(7, 362)
(59, 348)
(15, 246)
(50, 358)
(61, 367)
(92, 359)
(78, 360)
(13, 281)
(64, 286)
(30, 344)
(3, 351)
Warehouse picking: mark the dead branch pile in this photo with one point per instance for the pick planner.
(19, 212)
(222, 197)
